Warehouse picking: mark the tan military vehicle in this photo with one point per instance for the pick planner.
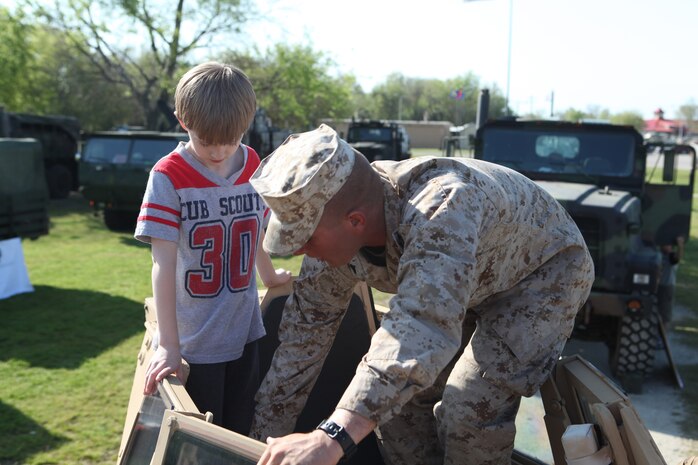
(588, 419)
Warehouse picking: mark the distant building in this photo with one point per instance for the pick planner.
(660, 129)
(423, 134)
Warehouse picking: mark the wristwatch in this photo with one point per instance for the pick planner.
(339, 434)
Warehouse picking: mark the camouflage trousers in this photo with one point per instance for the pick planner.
(467, 416)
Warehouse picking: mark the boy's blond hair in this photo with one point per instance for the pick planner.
(217, 101)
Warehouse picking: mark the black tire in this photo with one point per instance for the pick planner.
(120, 221)
(633, 357)
(59, 180)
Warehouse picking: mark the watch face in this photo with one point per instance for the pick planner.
(334, 430)
(330, 428)
(339, 434)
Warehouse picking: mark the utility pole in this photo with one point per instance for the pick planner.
(552, 102)
(511, 16)
(511, 9)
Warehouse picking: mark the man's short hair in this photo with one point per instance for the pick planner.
(216, 101)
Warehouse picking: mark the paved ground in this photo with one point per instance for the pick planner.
(659, 406)
(657, 161)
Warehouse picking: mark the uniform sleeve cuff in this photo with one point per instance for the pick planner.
(371, 398)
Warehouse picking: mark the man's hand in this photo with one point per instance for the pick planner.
(163, 363)
(315, 448)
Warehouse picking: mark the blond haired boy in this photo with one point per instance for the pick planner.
(204, 222)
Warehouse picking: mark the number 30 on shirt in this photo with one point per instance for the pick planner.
(227, 256)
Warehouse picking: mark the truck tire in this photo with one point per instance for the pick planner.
(59, 180)
(633, 357)
(118, 220)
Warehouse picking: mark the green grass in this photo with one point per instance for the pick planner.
(68, 350)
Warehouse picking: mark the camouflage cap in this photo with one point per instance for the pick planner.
(297, 180)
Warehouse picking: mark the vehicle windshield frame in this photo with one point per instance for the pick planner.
(615, 150)
(135, 149)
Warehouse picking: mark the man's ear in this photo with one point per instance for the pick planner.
(357, 219)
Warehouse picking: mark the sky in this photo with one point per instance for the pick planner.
(620, 55)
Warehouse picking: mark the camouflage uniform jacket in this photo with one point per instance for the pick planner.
(458, 231)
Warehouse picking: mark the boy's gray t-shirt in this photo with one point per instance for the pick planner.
(216, 223)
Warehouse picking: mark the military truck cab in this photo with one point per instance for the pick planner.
(114, 169)
(379, 140)
(624, 209)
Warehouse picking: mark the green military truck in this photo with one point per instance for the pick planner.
(23, 193)
(600, 174)
(379, 140)
(59, 137)
(114, 168)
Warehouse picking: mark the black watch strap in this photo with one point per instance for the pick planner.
(339, 434)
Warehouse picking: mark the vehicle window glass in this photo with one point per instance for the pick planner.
(186, 448)
(552, 146)
(149, 151)
(531, 433)
(106, 150)
(370, 134)
(602, 153)
(144, 435)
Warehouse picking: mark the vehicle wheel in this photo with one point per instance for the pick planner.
(634, 353)
(117, 220)
(59, 180)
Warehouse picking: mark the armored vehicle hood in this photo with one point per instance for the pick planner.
(575, 196)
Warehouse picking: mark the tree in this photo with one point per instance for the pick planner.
(16, 56)
(688, 112)
(454, 100)
(573, 114)
(44, 74)
(294, 84)
(630, 118)
(142, 45)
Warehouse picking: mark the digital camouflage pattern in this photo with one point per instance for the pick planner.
(166, 427)
(315, 165)
(462, 234)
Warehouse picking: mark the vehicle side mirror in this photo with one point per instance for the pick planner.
(668, 175)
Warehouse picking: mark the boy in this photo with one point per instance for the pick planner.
(204, 222)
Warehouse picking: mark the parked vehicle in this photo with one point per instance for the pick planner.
(59, 137)
(114, 169)
(379, 140)
(598, 173)
(262, 136)
(24, 195)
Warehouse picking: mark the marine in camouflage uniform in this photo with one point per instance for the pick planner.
(468, 246)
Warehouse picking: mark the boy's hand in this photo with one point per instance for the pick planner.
(279, 277)
(163, 363)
